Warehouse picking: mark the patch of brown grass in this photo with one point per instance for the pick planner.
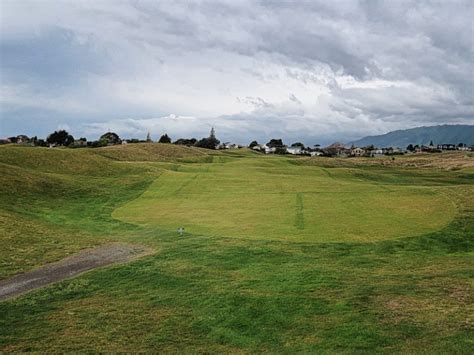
(150, 152)
(446, 161)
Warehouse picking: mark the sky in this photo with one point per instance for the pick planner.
(310, 71)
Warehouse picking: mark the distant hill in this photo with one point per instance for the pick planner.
(453, 134)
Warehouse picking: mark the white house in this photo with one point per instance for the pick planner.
(377, 152)
(316, 154)
(228, 145)
(294, 150)
(269, 150)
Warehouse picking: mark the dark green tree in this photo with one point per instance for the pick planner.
(109, 138)
(60, 137)
(164, 139)
(275, 143)
(184, 141)
(253, 144)
(210, 142)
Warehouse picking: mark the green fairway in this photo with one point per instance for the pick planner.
(275, 199)
(280, 254)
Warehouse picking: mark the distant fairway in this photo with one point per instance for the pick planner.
(273, 198)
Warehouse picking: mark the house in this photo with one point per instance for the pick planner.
(269, 150)
(228, 145)
(463, 147)
(337, 149)
(296, 150)
(446, 146)
(394, 150)
(377, 152)
(19, 139)
(357, 152)
(316, 153)
(82, 142)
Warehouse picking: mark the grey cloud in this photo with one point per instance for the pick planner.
(284, 60)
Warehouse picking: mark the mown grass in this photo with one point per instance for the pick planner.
(263, 198)
(208, 292)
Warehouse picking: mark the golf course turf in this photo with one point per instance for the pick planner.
(279, 254)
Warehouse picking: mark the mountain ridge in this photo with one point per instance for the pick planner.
(440, 134)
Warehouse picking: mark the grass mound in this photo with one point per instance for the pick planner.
(150, 152)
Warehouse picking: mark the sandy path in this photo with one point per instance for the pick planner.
(71, 266)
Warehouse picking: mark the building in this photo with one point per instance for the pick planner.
(20, 139)
(446, 146)
(268, 150)
(337, 149)
(82, 142)
(297, 150)
(357, 152)
(377, 152)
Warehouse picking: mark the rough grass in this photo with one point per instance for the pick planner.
(150, 152)
(210, 293)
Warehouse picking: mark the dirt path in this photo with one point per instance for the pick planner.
(71, 266)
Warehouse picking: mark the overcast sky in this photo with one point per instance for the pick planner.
(315, 71)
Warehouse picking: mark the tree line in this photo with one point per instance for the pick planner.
(63, 138)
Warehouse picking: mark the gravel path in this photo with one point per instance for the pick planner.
(69, 267)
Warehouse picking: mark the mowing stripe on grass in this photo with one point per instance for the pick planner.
(185, 184)
(299, 216)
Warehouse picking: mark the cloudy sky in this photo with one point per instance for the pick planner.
(315, 71)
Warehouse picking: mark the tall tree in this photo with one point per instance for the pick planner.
(164, 139)
(60, 137)
(210, 142)
(109, 138)
(275, 143)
